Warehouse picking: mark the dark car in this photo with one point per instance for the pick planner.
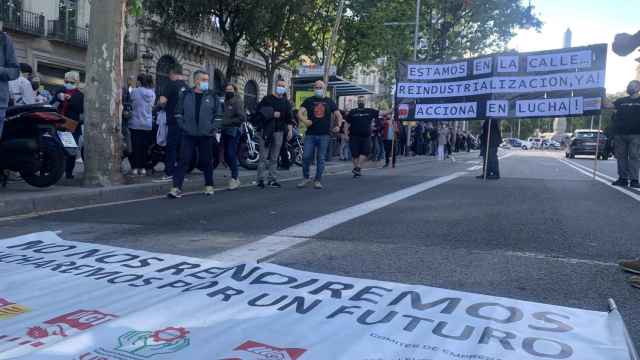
(585, 142)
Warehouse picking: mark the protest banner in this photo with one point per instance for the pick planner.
(566, 82)
(70, 300)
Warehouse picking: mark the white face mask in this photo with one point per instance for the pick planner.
(319, 92)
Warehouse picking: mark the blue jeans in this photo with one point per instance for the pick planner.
(174, 135)
(314, 145)
(230, 139)
(2, 115)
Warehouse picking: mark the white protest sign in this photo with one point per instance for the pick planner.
(498, 108)
(447, 111)
(550, 107)
(559, 61)
(69, 300)
(437, 72)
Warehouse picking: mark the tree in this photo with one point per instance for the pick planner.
(233, 18)
(103, 93)
(281, 33)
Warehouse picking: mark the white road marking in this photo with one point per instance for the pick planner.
(591, 170)
(474, 168)
(590, 174)
(559, 258)
(297, 234)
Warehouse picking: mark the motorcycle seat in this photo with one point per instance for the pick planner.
(21, 109)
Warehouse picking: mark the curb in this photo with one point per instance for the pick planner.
(41, 203)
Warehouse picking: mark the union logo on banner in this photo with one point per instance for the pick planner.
(57, 329)
(252, 350)
(140, 345)
(9, 309)
(403, 111)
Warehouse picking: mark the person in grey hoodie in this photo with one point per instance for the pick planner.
(195, 114)
(141, 124)
(9, 70)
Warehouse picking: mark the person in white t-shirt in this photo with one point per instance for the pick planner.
(20, 89)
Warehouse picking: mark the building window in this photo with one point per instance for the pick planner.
(218, 83)
(68, 13)
(251, 96)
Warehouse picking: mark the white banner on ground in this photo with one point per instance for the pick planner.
(69, 300)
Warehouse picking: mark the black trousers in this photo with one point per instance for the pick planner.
(140, 143)
(388, 144)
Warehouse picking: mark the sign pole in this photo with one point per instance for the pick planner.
(595, 162)
(393, 144)
(486, 151)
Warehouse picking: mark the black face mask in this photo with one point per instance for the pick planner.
(229, 95)
(360, 105)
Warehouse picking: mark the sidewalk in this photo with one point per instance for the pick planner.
(18, 198)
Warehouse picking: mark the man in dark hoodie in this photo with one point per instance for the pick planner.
(195, 114)
(277, 116)
(9, 70)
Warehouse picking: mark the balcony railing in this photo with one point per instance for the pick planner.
(22, 20)
(72, 35)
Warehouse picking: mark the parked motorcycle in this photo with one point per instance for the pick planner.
(34, 143)
(295, 150)
(248, 149)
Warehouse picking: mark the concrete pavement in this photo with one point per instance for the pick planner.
(546, 232)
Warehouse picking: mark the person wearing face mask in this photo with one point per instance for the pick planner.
(626, 132)
(277, 117)
(195, 115)
(70, 103)
(317, 113)
(234, 116)
(41, 95)
(358, 129)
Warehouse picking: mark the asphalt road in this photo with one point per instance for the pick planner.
(545, 232)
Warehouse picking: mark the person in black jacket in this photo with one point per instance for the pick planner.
(70, 102)
(277, 116)
(626, 131)
(490, 158)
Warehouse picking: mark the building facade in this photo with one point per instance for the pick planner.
(52, 36)
(369, 78)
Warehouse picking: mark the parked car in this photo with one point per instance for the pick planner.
(518, 143)
(536, 143)
(585, 142)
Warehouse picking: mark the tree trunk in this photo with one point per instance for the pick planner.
(231, 62)
(271, 74)
(103, 93)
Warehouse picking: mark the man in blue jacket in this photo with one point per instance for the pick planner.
(195, 114)
(9, 70)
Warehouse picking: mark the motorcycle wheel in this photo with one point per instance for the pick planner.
(247, 161)
(298, 154)
(52, 160)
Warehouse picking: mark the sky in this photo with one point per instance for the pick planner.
(592, 22)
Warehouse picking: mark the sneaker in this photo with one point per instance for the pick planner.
(234, 184)
(261, 184)
(318, 185)
(175, 193)
(357, 172)
(208, 190)
(143, 172)
(634, 184)
(135, 172)
(274, 184)
(164, 179)
(304, 183)
(635, 281)
(621, 182)
(632, 266)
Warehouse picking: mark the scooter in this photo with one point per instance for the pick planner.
(34, 143)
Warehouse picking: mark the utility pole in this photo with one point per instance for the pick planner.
(416, 32)
(332, 44)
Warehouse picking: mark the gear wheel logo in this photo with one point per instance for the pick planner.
(169, 334)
